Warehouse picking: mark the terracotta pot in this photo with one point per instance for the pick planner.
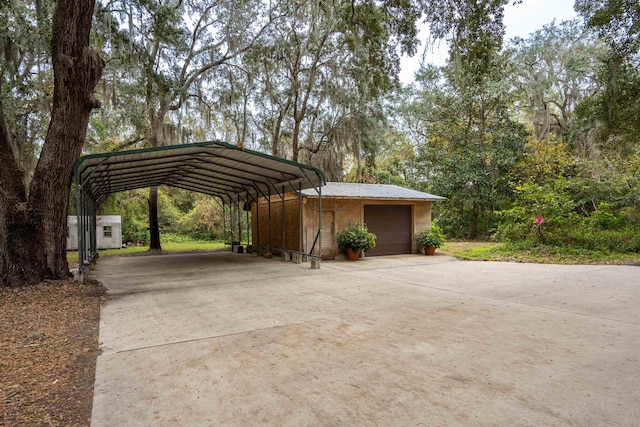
(353, 255)
(430, 250)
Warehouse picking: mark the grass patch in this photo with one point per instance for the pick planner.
(489, 251)
(72, 256)
(192, 246)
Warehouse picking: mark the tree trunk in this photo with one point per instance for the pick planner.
(475, 213)
(156, 140)
(283, 110)
(18, 260)
(154, 229)
(295, 137)
(275, 140)
(35, 246)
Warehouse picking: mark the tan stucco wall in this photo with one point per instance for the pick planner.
(349, 210)
(342, 211)
(421, 216)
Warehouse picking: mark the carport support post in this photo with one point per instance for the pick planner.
(316, 259)
(79, 224)
(284, 248)
(231, 225)
(85, 227)
(93, 247)
(239, 220)
(269, 201)
(300, 218)
(320, 221)
(258, 223)
(224, 223)
(248, 206)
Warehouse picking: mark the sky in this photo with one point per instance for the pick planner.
(520, 20)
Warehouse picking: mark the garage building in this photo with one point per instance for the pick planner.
(391, 212)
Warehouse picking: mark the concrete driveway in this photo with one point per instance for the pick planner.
(233, 339)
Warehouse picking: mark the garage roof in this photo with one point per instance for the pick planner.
(215, 168)
(372, 191)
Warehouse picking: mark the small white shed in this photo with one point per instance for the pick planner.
(108, 232)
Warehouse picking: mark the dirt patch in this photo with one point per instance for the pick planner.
(48, 350)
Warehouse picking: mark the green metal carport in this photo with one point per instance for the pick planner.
(237, 176)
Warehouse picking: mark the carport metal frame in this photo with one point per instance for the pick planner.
(215, 168)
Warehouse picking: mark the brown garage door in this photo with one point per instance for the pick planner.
(392, 225)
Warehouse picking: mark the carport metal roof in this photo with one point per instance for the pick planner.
(215, 168)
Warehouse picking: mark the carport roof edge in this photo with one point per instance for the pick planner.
(213, 167)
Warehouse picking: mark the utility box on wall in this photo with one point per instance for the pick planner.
(108, 232)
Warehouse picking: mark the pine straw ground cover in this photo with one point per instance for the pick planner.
(48, 350)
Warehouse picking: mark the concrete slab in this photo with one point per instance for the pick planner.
(235, 339)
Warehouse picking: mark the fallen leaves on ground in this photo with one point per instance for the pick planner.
(48, 350)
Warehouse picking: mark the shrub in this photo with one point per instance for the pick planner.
(603, 218)
(432, 236)
(624, 240)
(357, 237)
(184, 238)
(134, 231)
(204, 221)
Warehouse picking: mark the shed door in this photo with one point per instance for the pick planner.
(392, 226)
(328, 235)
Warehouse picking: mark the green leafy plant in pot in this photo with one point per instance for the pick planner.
(355, 239)
(430, 238)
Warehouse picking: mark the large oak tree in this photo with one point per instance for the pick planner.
(33, 219)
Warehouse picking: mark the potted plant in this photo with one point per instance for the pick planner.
(430, 238)
(355, 239)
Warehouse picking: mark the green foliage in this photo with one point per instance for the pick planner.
(374, 177)
(478, 22)
(471, 139)
(316, 76)
(550, 201)
(470, 165)
(168, 213)
(374, 33)
(183, 238)
(132, 206)
(545, 254)
(135, 231)
(388, 159)
(579, 174)
(26, 76)
(615, 107)
(356, 237)
(205, 220)
(578, 205)
(615, 21)
(184, 216)
(603, 218)
(183, 200)
(544, 65)
(431, 236)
